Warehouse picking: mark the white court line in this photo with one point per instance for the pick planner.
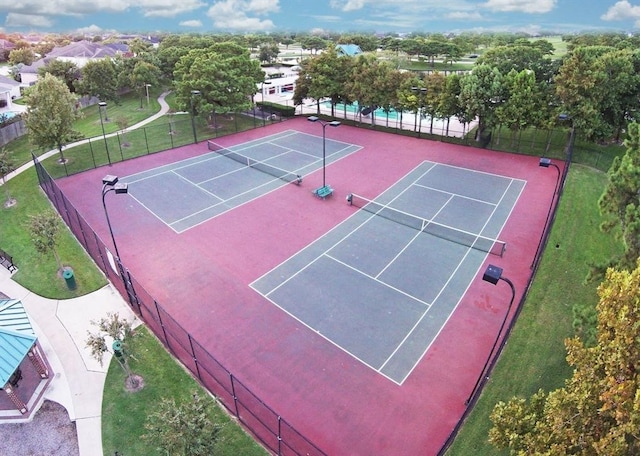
(449, 280)
(359, 226)
(455, 194)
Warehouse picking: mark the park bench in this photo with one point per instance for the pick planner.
(7, 261)
(323, 191)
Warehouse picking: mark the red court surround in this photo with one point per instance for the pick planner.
(201, 278)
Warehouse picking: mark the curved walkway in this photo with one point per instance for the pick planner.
(61, 327)
(164, 108)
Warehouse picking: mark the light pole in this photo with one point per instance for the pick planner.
(545, 163)
(193, 115)
(492, 275)
(262, 107)
(110, 183)
(333, 123)
(103, 105)
(421, 91)
(146, 86)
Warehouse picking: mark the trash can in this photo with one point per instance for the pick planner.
(69, 278)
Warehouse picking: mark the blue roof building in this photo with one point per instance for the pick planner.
(348, 49)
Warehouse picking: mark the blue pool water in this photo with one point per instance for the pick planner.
(353, 108)
(8, 115)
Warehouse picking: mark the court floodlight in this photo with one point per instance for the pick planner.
(110, 180)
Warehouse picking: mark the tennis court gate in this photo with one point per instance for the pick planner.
(261, 420)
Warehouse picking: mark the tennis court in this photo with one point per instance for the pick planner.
(189, 192)
(360, 330)
(382, 284)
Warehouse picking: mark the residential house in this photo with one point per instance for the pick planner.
(79, 52)
(9, 91)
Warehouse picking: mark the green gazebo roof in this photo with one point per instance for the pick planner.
(16, 337)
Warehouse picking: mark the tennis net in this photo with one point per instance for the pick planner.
(283, 174)
(449, 233)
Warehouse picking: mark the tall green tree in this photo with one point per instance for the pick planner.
(63, 69)
(519, 108)
(51, 113)
(598, 410)
(620, 202)
(481, 92)
(224, 74)
(578, 87)
(99, 79)
(324, 76)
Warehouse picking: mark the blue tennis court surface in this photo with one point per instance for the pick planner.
(192, 191)
(382, 289)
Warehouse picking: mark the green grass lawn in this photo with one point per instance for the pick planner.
(36, 272)
(124, 413)
(534, 356)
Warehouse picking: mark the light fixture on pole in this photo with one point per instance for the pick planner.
(333, 123)
(492, 275)
(421, 91)
(546, 163)
(262, 107)
(103, 105)
(193, 115)
(110, 184)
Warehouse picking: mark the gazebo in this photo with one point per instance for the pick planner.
(24, 371)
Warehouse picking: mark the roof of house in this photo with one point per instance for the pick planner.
(6, 44)
(16, 337)
(83, 49)
(348, 49)
(8, 82)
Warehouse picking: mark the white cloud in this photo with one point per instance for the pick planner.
(347, 5)
(524, 6)
(164, 8)
(91, 29)
(240, 15)
(464, 16)
(622, 11)
(191, 23)
(27, 20)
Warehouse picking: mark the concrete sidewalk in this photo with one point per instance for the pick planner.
(61, 327)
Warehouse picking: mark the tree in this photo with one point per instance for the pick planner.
(183, 429)
(119, 332)
(620, 202)
(99, 79)
(268, 52)
(44, 229)
(66, 71)
(481, 92)
(224, 74)
(324, 76)
(23, 55)
(7, 166)
(51, 113)
(598, 410)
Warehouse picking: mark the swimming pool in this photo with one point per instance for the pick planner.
(7, 115)
(353, 109)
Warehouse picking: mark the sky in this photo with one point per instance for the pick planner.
(260, 16)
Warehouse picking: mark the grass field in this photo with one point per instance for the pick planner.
(124, 413)
(39, 273)
(534, 357)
